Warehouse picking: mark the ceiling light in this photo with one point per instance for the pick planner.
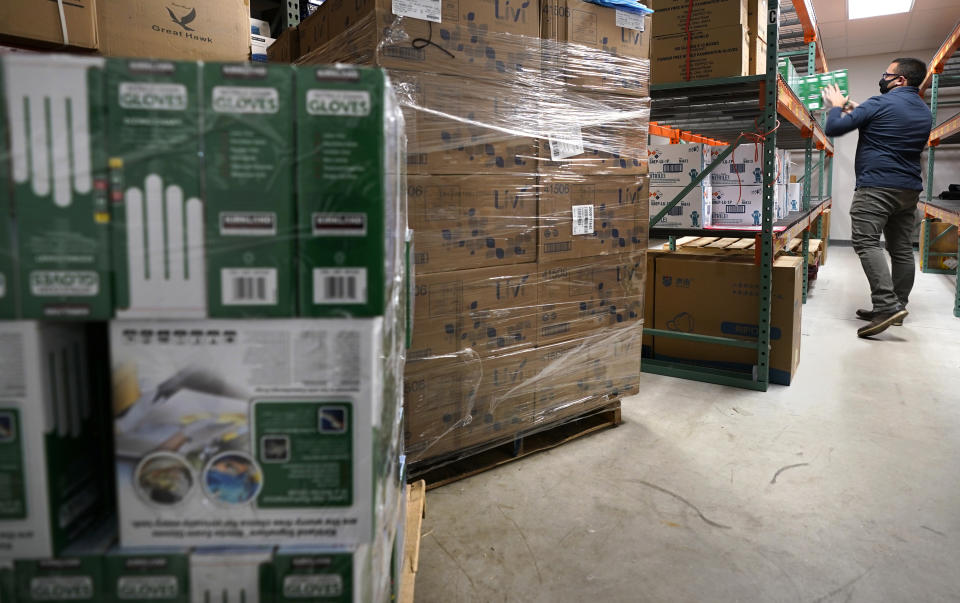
(861, 9)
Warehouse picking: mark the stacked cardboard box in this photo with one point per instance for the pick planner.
(672, 168)
(704, 39)
(737, 186)
(527, 196)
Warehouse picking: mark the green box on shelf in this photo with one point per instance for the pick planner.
(8, 277)
(350, 239)
(147, 574)
(248, 190)
(54, 121)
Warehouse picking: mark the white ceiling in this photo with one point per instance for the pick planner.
(925, 27)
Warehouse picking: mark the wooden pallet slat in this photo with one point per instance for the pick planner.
(743, 244)
(723, 243)
(416, 511)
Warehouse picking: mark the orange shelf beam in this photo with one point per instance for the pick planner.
(676, 135)
(950, 46)
(804, 10)
(944, 130)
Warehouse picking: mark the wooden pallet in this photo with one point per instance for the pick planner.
(442, 473)
(733, 247)
(416, 511)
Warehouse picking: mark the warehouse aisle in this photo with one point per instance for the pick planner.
(842, 487)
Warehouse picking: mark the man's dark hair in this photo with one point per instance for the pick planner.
(912, 69)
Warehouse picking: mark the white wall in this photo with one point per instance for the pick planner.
(864, 75)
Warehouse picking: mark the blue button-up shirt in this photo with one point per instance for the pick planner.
(894, 128)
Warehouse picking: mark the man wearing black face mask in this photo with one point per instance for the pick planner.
(894, 128)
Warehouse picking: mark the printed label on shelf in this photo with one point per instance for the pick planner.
(249, 286)
(428, 10)
(582, 219)
(629, 20)
(566, 142)
(339, 285)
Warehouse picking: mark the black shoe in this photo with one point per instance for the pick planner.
(881, 322)
(869, 314)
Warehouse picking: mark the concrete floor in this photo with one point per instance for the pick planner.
(841, 487)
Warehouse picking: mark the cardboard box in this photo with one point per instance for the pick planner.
(580, 375)
(948, 244)
(713, 53)
(485, 127)
(744, 167)
(709, 297)
(351, 237)
(597, 48)
(676, 164)
(758, 55)
(230, 574)
(228, 431)
(333, 574)
(30, 22)
(695, 210)
(313, 33)
(249, 208)
(472, 221)
(75, 575)
(212, 31)
(473, 38)
(51, 418)
(742, 205)
(147, 574)
(154, 144)
(757, 19)
(672, 17)
(586, 217)
(286, 49)
(437, 394)
(485, 311)
(502, 405)
(580, 297)
(59, 184)
(794, 198)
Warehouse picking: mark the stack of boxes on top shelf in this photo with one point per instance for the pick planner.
(245, 227)
(705, 39)
(527, 181)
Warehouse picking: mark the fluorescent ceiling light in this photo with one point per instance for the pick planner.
(861, 9)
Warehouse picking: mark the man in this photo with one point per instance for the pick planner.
(894, 128)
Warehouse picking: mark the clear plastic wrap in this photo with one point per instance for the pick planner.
(528, 197)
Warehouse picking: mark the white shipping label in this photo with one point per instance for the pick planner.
(72, 283)
(339, 286)
(153, 97)
(630, 20)
(245, 99)
(428, 10)
(583, 220)
(248, 286)
(567, 141)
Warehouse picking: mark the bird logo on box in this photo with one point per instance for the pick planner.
(185, 20)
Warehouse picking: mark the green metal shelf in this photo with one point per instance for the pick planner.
(943, 71)
(730, 110)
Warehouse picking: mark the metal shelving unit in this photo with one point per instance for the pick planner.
(729, 111)
(942, 72)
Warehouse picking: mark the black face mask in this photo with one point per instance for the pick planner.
(886, 85)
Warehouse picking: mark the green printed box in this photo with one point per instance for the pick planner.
(51, 481)
(153, 143)
(54, 114)
(248, 190)
(8, 280)
(348, 149)
(148, 574)
(76, 575)
(320, 575)
(232, 431)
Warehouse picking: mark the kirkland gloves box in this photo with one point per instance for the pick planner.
(51, 414)
(154, 140)
(350, 151)
(228, 432)
(248, 132)
(54, 122)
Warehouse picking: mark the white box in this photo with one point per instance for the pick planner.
(259, 46)
(259, 27)
(783, 166)
(229, 432)
(794, 198)
(228, 575)
(742, 205)
(50, 466)
(676, 164)
(694, 211)
(743, 167)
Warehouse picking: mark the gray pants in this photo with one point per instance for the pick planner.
(893, 212)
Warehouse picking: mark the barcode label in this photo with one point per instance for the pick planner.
(629, 20)
(675, 211)
(582, 219)
(428, 10)
(339, 286)
(248, 286)
(567, 141)
(672, 168)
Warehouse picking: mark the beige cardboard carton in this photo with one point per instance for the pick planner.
(713, 53)
(671, 17)
(38, 23)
